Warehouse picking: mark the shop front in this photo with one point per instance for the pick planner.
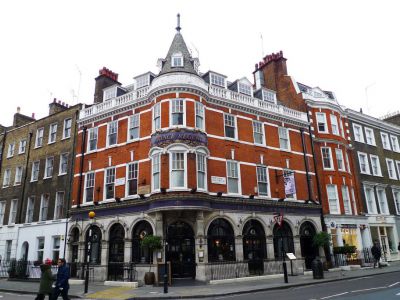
(384, 231)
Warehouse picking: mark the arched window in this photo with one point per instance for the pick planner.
(139, 254)
(116, 243)
(221, 241)
(254, 241)
(283, 240)
(93, 236)
(308, 250)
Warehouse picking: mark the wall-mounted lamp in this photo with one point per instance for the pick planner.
(96, 203)
(163, 190)
(281, 199)
(201, 243)
(142, 196)
(118, 199)
(251, 197)
(193, 190)
(219, 194)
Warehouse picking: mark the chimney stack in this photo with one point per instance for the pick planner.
(18, 110)
(56, 106)
(105, 79)
(272, 67)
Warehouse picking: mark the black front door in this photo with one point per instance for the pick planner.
(308, 250)
(116, 254)
(181, 250)
(254, 247)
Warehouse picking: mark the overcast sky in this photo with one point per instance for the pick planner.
(342, 46)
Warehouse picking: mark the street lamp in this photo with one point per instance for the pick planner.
(285, 274)
(91, 215)
(166, 263)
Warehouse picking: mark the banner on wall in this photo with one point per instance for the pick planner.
(290, 185)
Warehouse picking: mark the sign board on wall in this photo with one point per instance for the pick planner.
(218, 180)
(120, 181)
(144, 189)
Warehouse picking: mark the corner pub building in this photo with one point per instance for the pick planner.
(220, 170)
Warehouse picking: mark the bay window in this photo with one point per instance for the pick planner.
(177, 163)
(321, 123)
(199, 116)
(327, 158)
(156, 116)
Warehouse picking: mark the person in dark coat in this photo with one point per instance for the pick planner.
(62, 285)
(376, 253)
(46, 281)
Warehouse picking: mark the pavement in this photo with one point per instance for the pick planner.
(182, 289)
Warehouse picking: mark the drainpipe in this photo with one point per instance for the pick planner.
(306, 163)
(81, 166)
(25, 177)
(2, 148)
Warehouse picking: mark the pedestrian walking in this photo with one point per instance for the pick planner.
(376, 253)
(61, 285)
(46, 282)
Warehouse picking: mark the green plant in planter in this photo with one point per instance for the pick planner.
(346, 249)
(151, 242)
(322, 239)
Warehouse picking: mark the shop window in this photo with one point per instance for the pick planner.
(221, 241)
(141, 254)
(93, 237)
(283, 240)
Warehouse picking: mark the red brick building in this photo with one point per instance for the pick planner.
(220, 170)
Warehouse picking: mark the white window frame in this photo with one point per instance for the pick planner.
(395, 191)
(259, 131)
(2, 211)
(346, 200)
(228, 173)
(54, 249)
(34, 171)
(39, 137)
(373, 209)
(40, 250)
(30, 209)
(385, 141)
(157, 117)
(341, 127)
(44, 207)
(142, 81)
(134, 123)
(369, 134)
(395, 143)
(108, 181)
(109, 93)
(334, 124)
(331, 167)
(217, 80)
(22, 146)
(171, 169)
(199, 115)
(281, 130)
(179, 62)
(181, 110)
(93, 135)
(347, 161)
(268, 96)
(91, 181)
(367, 168)
(156, 169)
(109, 124)
(261, 178)
(13, 211)
(358, 137)
(6, 178)
(46, 168)
(135, 176)
(230, 121)
(384, 211)
(394, 173)
(59, 208)
(67, 130)
(202, 170)
(11, 150)
(334, 186)
(339, 154)
(397, 163)
(18, 175)
(322, 121)
(52, 133)
(245, 89)
(378, 166)
(60, 169)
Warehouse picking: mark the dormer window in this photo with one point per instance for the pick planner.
(217, 80)
(142, 81)
(177, 60)
(244, 89)
(268, 96)
(110, 93)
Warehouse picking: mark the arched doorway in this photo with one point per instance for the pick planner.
(141, 255)
(254, 250)
(181, 250)
(93, 236)
(116, 253)
(283, 240)
(74, 246)
(25, 251)
(308, 250)
(221, 241)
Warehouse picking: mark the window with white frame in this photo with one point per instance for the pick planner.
(396, 198)
(333, 199)
(363, 161)
(358, 133)
(382, 200)
(201, 171)
(8, 250)
(353, 198)
(230, 126)
(369, 136)
(284, 141)
(370, 199)
(142, 81)
(391, 168)
(321, 122)
(134, 127)
(199, 115)
(258, 133)
(44, 207)
(177, 112)
(341, 127)
(177, 60)
(268, 96)
(18, 175)
(63, 169)
(375, 165)
(22, 146)
(48, 172)
(132, 182)
(92, 140)
(233, 177)
(327, 162)
(2, 211)
(11, 148)
(334, 125)
(217, 80)
(39, 138)
(13, 212)
(177, 169)
(398, 167)
(40, 249)
(52, 133)
(346, 200)
(395, 143)
(244, 89)
(56, 248)
(35, 171)
(110, 93)
(157, 116)
(262, 181)
(110, 183)
(89, 187)
(59, 207)
(6, 177)
(385, 141)
(347, 161)
(155, 169)
(30, 209)
(67, 128)
(112, 131)
(340, 159)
